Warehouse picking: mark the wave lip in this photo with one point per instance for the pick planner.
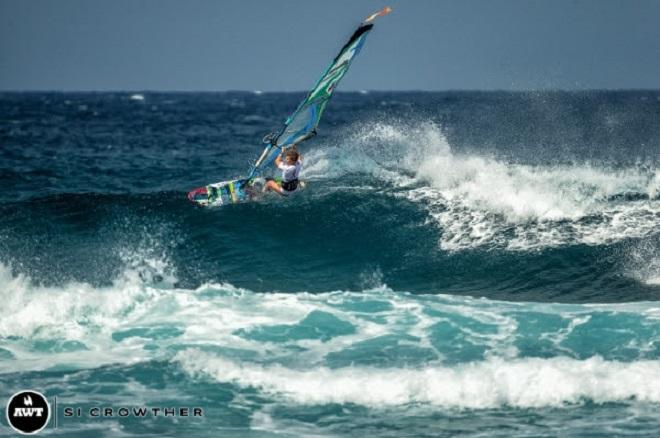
(482, 201)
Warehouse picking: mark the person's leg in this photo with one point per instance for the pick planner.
(272, 185)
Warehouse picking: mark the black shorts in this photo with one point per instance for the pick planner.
(290, 186)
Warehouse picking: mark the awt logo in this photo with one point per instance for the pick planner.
(28, 412)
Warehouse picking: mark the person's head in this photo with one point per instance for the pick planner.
(291, 155)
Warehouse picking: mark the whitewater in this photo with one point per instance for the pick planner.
(459, 264)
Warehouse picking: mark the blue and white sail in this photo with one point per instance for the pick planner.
(302, 124)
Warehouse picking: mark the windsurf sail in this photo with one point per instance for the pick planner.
(301, 125)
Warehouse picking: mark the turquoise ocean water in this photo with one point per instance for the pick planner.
(466, 263)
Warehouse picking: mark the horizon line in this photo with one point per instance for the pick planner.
(361, 91)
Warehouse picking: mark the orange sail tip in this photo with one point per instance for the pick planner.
(386, 10)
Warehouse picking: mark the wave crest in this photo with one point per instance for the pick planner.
(483, 201)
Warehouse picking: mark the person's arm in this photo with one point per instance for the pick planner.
(278, 159)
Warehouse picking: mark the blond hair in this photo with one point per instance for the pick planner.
(292, 153)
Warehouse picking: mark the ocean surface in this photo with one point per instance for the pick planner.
(460, 263)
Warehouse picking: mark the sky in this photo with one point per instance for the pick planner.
(284, 45)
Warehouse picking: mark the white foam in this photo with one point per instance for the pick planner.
(482, 201)
(492, 383)
(642, 262)
(90, 315)
(114, 322)
(74, 312)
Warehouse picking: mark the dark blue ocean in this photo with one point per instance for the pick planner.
(460, 263)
